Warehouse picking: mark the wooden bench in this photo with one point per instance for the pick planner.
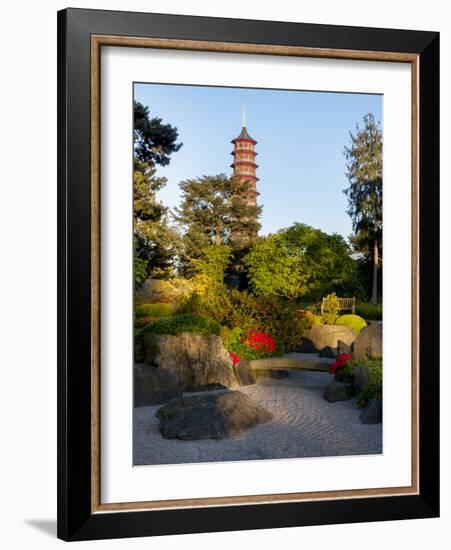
(344, 304)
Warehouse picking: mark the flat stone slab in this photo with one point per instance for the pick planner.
(293, 362)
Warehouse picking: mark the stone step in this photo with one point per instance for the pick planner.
(293, 362)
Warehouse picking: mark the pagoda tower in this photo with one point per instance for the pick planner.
(244, 165)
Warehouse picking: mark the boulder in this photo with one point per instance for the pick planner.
(245, 375)
(343, 348)
(372, 413)
(369, 342)
(330, 353)
(197, 360)
(338, 391)
(153, 386)
(362, 376)
(210, 416)
(316, 338)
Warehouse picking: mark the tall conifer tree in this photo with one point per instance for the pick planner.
(364, 173)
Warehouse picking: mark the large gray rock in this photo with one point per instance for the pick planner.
(197, 360)
(318, 337)
(372, 413)
(338, 391)
(210, 416)
(154, 386)
(369, 342)
(362, 376)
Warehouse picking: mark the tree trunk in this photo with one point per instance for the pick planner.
(218, 240)
(375, 272)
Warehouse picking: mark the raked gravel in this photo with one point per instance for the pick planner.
(303, 425)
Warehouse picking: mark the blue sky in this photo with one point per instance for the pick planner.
(300, 135)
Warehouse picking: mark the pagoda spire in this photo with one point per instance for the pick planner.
(244, 116)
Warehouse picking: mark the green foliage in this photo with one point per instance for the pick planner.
(364, 173)
(213, 210)
(154, 141)
(373, 390)
(213, 263)
(232, 340)
(232, 308)
(154, 310)
(140, 266)
(354, 322)
(317, 320)
(183, 323)
(155, 242)
(329, 318)
(371, 312)
(346, 374)
(299, 261)
(331, 304)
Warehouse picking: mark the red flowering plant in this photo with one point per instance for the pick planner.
(252, 344)
(259, 341)
(234, 357)
(340, 363)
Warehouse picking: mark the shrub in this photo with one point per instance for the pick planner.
(373, 390)
(329, 318)
(153, 310)
(251, 344)
(354, 322)
(371, 312)
(232, 308)
(331, 304)
(317, 320)
(339, 365)
(183, 323)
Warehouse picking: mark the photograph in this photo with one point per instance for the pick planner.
(258, 273)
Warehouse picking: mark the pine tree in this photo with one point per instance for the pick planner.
(214, 210)
(364, 173)
(155, 242)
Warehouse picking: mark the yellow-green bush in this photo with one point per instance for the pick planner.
(183, 323)
(355, 322)
(153, 310)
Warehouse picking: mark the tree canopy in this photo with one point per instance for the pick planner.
(364, 173)
(154, 142)
(155, 242)
(213, 210)
(299, 261)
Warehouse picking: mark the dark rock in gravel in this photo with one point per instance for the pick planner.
(210, 416)
(338, 391)
(372, 413)
(330, 353)
(154, 386)
(343, 348)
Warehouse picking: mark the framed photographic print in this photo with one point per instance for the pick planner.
(248, 274)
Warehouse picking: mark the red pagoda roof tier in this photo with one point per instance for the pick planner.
(244, 163)
(244, 136)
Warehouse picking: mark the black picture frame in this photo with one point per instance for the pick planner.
(76, 521)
